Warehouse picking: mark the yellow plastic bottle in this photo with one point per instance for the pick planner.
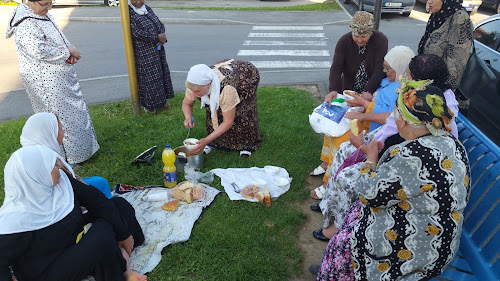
(169, 171)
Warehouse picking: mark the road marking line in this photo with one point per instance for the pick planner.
(299, 53)
(295, 35)
(343, 8)
(284, 43)
(281, 27)
(292, 64)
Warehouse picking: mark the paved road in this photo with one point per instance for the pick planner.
(287, 47)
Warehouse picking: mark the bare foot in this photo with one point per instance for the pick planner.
(134, 276)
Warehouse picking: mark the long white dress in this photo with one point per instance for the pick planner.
(51, 83)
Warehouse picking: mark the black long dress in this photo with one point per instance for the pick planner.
(51, 253)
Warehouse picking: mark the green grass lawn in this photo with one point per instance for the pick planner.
(232, 240)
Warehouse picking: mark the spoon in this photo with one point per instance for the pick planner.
(189, 130)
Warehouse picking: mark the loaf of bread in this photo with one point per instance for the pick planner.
(249, 191)
(198, 192)
(188, 195)
(355, 126)
(177, 193)
(171, 205)
(185, 185)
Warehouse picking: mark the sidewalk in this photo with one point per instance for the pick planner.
(187, 16)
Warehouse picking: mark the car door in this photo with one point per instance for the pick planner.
(481, 79)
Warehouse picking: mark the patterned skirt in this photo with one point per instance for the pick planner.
(244, 134)
(337, 261)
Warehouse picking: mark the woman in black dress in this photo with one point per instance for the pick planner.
(45, 236)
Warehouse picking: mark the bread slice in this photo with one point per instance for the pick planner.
(355, 126)
(188, 195)
(198, 193)
(267, 197)
(171, 205)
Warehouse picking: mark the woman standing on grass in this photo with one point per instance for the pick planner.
(228, 91)
(46, 64)
(153, 74)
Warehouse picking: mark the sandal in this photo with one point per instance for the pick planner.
(245, 153)
(207, 149)
(318, 171)
(150, 111)
(318, 193)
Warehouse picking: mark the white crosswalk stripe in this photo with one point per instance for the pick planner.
(284, 43)
(310, 51)
(284, 27)
(301, 53)
(289, 35)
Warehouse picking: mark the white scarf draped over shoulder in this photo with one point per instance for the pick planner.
(202, 75)
(31, 201)
(42, 129)
(141, 11)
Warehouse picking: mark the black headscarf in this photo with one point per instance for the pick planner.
(427, 66)
(449, 8)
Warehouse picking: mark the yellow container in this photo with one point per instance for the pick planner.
(169, 171)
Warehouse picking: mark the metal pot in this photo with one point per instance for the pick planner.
(195, 160)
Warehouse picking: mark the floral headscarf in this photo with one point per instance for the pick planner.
(426, 105)
(362, 24)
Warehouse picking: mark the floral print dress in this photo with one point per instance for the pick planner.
(51, 83)
(411, 221)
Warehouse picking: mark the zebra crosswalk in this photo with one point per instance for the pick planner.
(291, 47)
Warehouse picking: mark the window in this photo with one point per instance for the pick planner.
(488, 33)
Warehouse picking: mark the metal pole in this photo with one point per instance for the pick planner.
(377, 11)
(129, 53)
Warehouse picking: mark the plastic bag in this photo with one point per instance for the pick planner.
(196, 176)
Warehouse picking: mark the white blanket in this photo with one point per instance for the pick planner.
(235, 179)
(162, 228)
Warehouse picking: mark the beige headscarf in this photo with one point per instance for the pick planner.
(398, 59)
(362, 24)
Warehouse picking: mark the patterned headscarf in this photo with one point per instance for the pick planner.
(437, 19)
(426, 106)
(428, 66)
(362, 24)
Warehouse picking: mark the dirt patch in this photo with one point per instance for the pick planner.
(311, 248)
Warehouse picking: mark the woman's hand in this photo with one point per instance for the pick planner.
(74, 53)
(332, 95)
(367, 96)
(188, 124)
(355, 115)
(162, 37)
(357, 141)
(127, 244)
(374, 148)
(358, 101)
(200, 145)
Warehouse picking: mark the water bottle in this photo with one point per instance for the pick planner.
(169, 171)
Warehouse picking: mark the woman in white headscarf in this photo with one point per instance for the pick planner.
(376, 111)
(42, 234)
(45, 129)
(228, 91)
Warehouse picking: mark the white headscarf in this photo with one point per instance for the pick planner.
(31, 201)
(398, 59)
(141, 11)
(202, 75)
(42, 129)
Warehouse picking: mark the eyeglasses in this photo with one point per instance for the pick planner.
(386, 67)
(46, 5)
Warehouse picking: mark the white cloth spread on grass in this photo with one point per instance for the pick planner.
(241, 177)
(162, 228)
